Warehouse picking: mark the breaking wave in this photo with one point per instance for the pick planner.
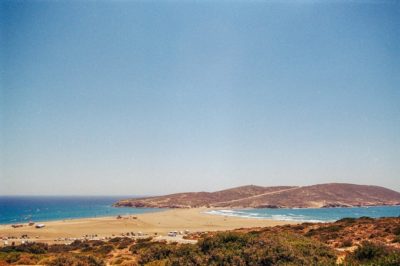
(310, 215)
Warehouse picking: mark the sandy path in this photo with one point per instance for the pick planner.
(256, 196)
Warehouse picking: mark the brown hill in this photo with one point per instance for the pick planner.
(316, 196)
(199, 199)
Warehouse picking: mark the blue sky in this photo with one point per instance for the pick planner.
(157, 97)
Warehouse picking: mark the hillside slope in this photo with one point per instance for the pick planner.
(199, 199)
(315, 196)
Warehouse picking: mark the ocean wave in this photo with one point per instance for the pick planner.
(254, 215)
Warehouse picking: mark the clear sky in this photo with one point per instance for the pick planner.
(155, 97)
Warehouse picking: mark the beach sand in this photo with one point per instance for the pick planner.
(194, 220)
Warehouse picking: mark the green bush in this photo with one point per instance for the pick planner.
(76, 261)
(125, 242)
(368, 251)
(347, 220)
(140, 244)
(104, 249)
(61, 248)
(396, 230)
(34, 248)
(12, 257)
(374, 254)
(231, 248)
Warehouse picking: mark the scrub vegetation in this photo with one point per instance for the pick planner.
(352, 242)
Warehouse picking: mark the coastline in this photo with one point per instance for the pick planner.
(155, 223)
(314, 215)
(202, 210)
(36, 221)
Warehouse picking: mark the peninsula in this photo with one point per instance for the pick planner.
(315, 196)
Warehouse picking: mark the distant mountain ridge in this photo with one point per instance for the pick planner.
(315, 196)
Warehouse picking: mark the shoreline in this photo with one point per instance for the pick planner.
(150, 224)
(81, 218)
(156, 224)
(204, 209)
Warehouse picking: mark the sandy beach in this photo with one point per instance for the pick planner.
(160, 223)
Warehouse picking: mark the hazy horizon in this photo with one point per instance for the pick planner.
(126, 196)
(149, 98)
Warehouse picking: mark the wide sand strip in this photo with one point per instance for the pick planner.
(194, 220)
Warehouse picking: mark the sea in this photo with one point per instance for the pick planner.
(312, 215)
(22, 209)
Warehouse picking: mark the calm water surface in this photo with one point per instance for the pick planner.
(24, 209)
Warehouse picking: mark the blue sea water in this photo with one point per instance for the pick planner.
(24, 209)
(312, 215)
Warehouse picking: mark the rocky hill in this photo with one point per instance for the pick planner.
(315, 196)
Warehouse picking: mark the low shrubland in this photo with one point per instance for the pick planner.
(348, 242)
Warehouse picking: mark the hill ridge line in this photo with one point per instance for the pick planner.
(313, 196)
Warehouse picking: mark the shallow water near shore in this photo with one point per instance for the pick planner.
(23, 209)
(311, 215)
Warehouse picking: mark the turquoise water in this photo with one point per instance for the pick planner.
(312, 215)
(24, 209)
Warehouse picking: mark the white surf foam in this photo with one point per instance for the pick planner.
(255, 215)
